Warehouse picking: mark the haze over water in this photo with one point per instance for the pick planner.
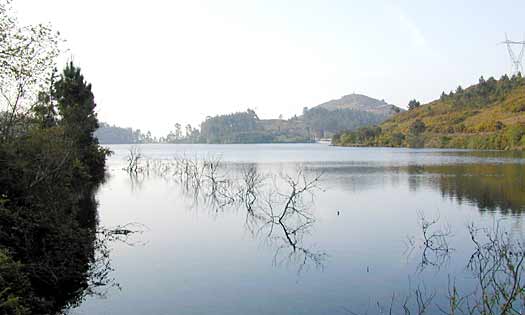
(195, 258)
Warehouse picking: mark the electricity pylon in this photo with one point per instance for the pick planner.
(516, 60)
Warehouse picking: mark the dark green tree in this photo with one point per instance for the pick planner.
(413, 104)
(417, 127)
(76, 105)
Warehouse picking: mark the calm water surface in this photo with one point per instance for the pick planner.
(194, 258)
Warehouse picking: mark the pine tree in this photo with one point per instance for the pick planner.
(76, 105)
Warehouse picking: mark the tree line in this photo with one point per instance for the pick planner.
(247, 127)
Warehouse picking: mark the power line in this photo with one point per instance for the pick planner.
(516, 60)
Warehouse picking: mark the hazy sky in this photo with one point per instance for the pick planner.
(154, 63)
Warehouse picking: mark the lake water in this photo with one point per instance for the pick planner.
(361, 244)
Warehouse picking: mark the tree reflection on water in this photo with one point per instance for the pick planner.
(278, 207)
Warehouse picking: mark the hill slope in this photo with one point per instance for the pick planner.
(363, 103)
(488, 115)
(348, 113)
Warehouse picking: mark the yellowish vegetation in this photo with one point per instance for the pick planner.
(488, 115)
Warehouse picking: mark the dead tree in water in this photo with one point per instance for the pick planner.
(252, 181)
(284, 215)
(497, 266)
(100, 269)
(134, 157)
(436, 250)
(285, 218)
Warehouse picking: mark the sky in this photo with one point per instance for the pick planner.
(155, 63)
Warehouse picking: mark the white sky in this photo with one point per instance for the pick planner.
(154, 63)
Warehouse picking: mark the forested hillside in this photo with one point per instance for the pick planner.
(488, 115)
(246, 127)
(348, 113)
(316, 123)
(107, 134)
(322, 122)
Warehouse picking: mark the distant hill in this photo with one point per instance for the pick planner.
(359, 102)
(488, 115)
(108, 134)
(348, 113)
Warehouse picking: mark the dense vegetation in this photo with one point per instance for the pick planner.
(323, 122)
(488, 115)
(246, 127)
(107, 134)
(48, 173)
(50, 165)
(348, 113)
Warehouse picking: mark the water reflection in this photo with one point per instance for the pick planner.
(277, 207)
(432, 242)
(217, 233)
(494, 270)
(493, 187)
(284, 217)
(490, 187)
(66, 259)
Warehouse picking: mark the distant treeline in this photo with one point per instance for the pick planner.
(488, 115)
(108, 134)
(247, 127)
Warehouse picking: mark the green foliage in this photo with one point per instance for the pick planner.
(228, 128)
(13, 286)
(48, 173)
(413, 104)
(50, 165)
(192, 135)
(27, 58)
(246, 127)
(515, 134)
(397, 139)
(76, 104)
(322, 121)
(417, 127)
(517, 107)
(488, 115)
(107, 134)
